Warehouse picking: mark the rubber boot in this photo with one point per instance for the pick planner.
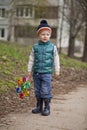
(39, 106)
(46, 110)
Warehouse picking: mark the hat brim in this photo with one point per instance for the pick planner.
(44, 28)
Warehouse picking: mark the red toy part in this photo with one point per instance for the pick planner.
(21, 95)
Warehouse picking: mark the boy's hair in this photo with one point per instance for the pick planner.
(43, 26)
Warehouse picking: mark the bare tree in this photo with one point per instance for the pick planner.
(75, 20)
(11, 15)
(72, 14)
(61, 26)
(83, 4)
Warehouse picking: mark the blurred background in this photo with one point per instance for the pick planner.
(20, 18)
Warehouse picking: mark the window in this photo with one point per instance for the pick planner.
(21, 12)
(25, 31)
(2, 12)
(2, 32)
(25, 11)
(17, 12)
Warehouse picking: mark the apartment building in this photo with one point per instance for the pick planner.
(4, 21)
(24, 17)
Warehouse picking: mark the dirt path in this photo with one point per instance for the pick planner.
(68, 112)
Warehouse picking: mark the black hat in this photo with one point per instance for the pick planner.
(44, 26)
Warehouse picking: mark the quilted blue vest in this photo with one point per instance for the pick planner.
(43, 57)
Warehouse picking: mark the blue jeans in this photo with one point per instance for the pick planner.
(42, 85)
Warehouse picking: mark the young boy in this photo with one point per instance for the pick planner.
(43, 59)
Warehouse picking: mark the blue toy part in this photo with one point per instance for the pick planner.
(18, 90)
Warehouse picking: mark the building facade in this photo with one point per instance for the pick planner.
(4, 21)
(23, 17)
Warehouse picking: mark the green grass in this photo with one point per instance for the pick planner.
(70, 62)
(13, 63)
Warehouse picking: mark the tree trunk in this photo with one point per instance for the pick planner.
(61, 28)
(85, 45)
(71, 35)
(71, 47)
(71, 40)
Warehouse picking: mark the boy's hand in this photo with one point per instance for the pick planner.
(57, 74)
(29, 75)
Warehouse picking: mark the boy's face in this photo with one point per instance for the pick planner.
(44, 35)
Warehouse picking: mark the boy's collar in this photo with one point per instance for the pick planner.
(40, 42)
